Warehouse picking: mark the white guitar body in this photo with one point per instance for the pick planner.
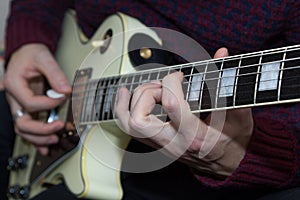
(93, 169)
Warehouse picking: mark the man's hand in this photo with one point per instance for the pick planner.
(200, 144)
(24, 82)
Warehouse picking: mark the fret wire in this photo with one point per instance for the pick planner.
(249, 55)
(149, 79)
(88, 106)
(140, 80)
(94, 113)
(238, 76)
(131, 84)
(252, 65)
(110, 101)
(91, 99)
(236, 82)
(230, 106)
(218, 82)
(98, 99)
(100, 95)
(202, 86)
(106, 100)
(157, 76)
(280, 76)
(114, 86)
(189, 83)
(180, 68)
(87, 103)
(256, 81)
(84, 106)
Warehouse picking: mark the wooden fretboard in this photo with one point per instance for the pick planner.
(254, 79)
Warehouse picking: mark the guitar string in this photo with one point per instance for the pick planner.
(107, 102)
(108, 86)
(107, 80)
(203, 64)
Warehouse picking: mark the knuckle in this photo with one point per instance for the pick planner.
(195, 146)
(136, 124)
(170, 104)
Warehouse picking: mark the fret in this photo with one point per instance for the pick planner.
(106, 107)
(154, 75)
(130, 83)
(219, 82)
(92, 87)
(203, 70)
(85, 104)
(162, 74)
(290, 87)
(256, 79)
(136, 79)
(114, 88)
(104, 99)
(99, 100)
(208, 92)
(108, 97)
(246, 80)
(144, 78)
(227, 82)
(269, 76)
(236, 82)
(192, 84)
(191, 90)
(280, 75)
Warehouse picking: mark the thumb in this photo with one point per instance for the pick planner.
(51, 70)
(222, 52)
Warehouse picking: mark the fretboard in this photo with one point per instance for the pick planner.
(254, 79)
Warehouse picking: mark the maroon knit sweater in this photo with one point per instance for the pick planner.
(273, 154)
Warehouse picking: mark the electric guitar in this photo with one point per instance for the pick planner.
(89, 157)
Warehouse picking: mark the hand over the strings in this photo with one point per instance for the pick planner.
(201, 144)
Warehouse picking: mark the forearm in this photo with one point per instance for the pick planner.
(34, 21)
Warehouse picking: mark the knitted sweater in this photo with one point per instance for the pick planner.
(273, 155)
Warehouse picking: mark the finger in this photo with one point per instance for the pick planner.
(173, 98)
(146, 101)
(191, 130)
(122, 109)
(30, 101)
(28, 125)
(44, 150)
(55, 76)
(40, 140)
(141, 120)
(139, 90)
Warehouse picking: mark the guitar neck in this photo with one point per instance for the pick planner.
(254, 79)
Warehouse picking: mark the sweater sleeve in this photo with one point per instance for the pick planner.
(34, 21)
(292, 24)
(272, 158)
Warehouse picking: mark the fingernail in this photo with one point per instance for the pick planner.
(65, 86)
